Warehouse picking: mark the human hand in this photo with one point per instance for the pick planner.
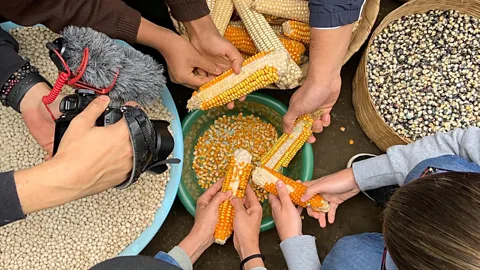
(38, 119)
(311, 96)
(206, 217)
(246, 227)
(285, 214)
(335, 188)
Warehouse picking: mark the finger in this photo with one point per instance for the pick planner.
(311, 139)
(322, 220)
(312, 213)
(209, 193)
(317, 126)
(326, 120)
(283, 193)
(312, 190)
(202, 72)
(235, 57)
(242, 99)
(231, 105)
(332, 212)
(193, 81)
(289, 120)
(132, 104)
(238, 205)
(219, 198)
(89, 116)
(208, 66)
(274, 201)
(252, 199)
(299, 210)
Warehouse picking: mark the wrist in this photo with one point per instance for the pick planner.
(194, 246)
(254, 262)
(288, 235)
(249, 249)
(198, 28)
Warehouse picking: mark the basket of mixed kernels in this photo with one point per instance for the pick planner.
(265, 26)
(211, 138)
(420, 73)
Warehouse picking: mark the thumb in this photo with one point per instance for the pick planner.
(236, 58)
(289, 119)
(208, 66)
(311, 191)
(238, 204)
(220, 197)
(88, 117)
(283, 193)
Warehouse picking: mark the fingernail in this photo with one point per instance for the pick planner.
(303, 199)
(280, 184)
(229, 193)
(103, 97)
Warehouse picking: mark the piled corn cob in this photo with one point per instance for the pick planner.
(297, 31)
(265, 40)
(236, 181)
(288, 145)
(239, 37)
(221, 13)
(290, 9)
(267, 179)
(257, 72)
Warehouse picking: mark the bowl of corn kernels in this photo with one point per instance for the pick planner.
(211, 137)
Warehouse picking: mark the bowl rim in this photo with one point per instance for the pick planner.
(171, 189)
(306, 153)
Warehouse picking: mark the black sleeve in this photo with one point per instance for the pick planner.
(10, 208)
(334, 13)
(10, 61)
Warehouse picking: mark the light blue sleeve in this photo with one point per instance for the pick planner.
(300, 252)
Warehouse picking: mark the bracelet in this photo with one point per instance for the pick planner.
(16, 77)
(244, 261)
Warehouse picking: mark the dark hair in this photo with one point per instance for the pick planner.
(434, 222)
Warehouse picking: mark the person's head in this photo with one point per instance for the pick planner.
(434, 222)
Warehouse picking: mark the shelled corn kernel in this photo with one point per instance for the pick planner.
(297, 31)
(288, 145)
(266, 40)
(221, 13)
(267, 178)
(236, 181)
(223, 138)
(296, 10)
(258, 71)
(239, 37)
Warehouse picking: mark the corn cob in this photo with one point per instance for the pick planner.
(266, 40)
(245, 56)
(258, 71)
(210, 4)
(239, 37)
(277, 29)
(267, 178)
(288, 145)
(297, 31)
(236, 180)
(221, 14)
(290, 9)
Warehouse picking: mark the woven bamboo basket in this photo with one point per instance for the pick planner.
(360, 34)
(367, 115)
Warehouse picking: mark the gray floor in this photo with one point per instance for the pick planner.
(332, 152)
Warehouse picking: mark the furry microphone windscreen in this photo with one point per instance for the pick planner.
(140, 77)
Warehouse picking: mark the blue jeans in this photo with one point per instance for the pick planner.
(361, 251)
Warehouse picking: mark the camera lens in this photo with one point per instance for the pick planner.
(164, 145)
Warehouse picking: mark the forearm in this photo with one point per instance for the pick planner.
(154, 36)
(112, 17)
(392, 168)
(327, 52)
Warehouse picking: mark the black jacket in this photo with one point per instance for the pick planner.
(334, 13)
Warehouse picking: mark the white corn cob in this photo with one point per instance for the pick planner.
(221, 14)
(265, 39)
(277, 28)
(210, 4)
(290, 9)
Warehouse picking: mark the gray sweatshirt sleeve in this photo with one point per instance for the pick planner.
(392, 167)
(334, 13)
(300, 252)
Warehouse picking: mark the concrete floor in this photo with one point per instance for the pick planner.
(331, 151)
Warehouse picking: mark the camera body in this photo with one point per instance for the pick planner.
(151, 141)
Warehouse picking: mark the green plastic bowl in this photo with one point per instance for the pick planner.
(196, 123)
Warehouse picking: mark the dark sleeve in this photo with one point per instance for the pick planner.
(112, 17)
(10, 208)
(9, 58)
(188, 10)
(334, 13)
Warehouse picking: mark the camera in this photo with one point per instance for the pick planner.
(152, 142)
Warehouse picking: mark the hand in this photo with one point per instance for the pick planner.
(206, 39)
(206, 217)
(105, 151)
(246, 227)
(335, 188)
(38, 119)
(285, 214)
(311, 96)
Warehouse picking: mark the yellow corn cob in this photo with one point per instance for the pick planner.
(258, 71)
(236, 180)
(297, 31)
(288, 145)
(290, 9)
(277, 29)
(267, 178)
(239, 37)
(245, 56)
(295, 48)
(221, 14)
(265, 40)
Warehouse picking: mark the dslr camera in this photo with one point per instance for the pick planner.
(152, 142)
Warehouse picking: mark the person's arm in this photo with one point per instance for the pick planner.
(10, 208)
(392, 167)
(112, 17)
(300, 252)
